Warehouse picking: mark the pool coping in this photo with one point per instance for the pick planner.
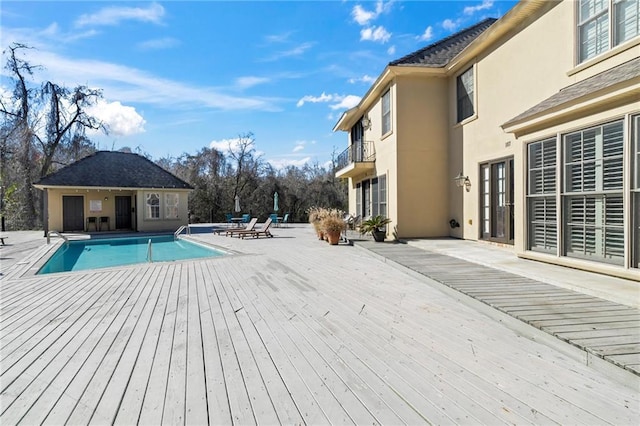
(41, 258)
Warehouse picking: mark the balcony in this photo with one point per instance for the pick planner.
(357, 159)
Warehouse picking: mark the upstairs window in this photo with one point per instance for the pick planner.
(386, 112)
(465, 95)
(604, 24)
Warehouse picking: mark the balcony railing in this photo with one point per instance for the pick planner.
(358, 152)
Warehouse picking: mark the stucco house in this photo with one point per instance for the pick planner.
(114, 191)
(523, 131)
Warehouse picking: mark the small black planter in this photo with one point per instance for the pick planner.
(378, 236)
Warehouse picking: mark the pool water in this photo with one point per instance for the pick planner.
(103, 253)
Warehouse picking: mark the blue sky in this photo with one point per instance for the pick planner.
(178, 76)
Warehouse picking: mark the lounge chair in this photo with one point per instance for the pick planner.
(258, 232)
(2, 237)
(250, 226)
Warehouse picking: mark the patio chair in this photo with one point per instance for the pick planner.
(285, 219)
(246, 218)
(250, 227)
(258, 232)
(92, 220)
(103, 220)
(274, 218)
(229, 216)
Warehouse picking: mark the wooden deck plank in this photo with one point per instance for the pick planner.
(281, 355)
(196, 406)
(218, 408)
(356, 342)
(585, 404)
(49, 364)
(51, 396)
(133, 397)
(386, 358)
(262, 406)
(38, 323)
(44, 346)
(239, 403)
(152, 407)
(174, 402)
(318, 380)
(97, 371)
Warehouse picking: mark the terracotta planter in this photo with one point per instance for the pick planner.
(333, 237)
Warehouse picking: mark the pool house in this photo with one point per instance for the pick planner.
(110, 191)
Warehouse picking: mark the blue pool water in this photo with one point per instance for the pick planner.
(103, 253)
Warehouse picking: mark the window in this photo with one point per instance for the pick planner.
(371, 197)
(592, 199)
(465, 95)
(153, 205)
(600, 30)
(386, 112)
(635, 195)
(358, 199)
(171, 206)
(541, 196)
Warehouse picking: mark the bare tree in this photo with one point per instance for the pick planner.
(38, 122)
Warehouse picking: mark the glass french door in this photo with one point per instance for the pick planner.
(496, 201)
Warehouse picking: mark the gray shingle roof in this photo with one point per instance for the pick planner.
(605, 79)
(114, 170)
(439, 54)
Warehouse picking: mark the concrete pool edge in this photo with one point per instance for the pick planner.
(38, 259)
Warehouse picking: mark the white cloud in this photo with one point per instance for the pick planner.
(282, 163)
(449, 25)
(363, 16)
(227, 145)
(367, 79)
(427, 35)
(131, 85)
(278, 38)
(379, 34)
(486, 4)
(250, 81)
(391, 50)
(315, 99)
(120, 120)
(159, 43)
(346, 102)
(114, 15)
(295, 51)
(299, 146)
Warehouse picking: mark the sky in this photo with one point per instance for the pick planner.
(178, 76)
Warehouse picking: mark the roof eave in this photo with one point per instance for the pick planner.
(349, 117)
(523, 10)
(601, 100)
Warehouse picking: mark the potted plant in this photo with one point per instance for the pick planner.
(315, 217)
(374, 226)
(333, 225)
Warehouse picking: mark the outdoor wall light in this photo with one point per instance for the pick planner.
(106, 198)
(462, 181)
(366, 122)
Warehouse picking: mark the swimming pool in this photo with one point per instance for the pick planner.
(107, 252)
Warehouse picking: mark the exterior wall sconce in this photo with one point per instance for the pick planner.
(106, 198)
(366, 122)
(462, 181)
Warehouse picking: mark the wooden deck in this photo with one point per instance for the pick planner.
(292, 331)
(604, 329)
